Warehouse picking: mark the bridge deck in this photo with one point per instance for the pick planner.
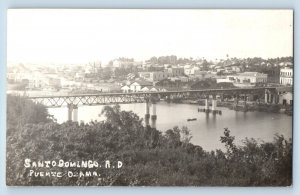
(139, 97)
(169, 92)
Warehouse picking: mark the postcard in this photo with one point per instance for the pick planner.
(149, 97)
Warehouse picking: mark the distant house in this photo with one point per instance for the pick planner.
(153, 89)
(184, 79)
(161, 89)
(145, 89)
(158, 76)
(248, 78)
(130, 76)
(125, 89)
(188, 70)
(286, 76)
(139, 85)
(175, 71)
(286, 64)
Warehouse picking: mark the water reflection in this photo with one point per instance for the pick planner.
(210, 120)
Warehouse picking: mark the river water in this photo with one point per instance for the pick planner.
(207, 129)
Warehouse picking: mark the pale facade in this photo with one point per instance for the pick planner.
(286, 76)
(145, 89)
(125, 89)
(138, 86)
(175, 71)
(158, 76)
(249, 77)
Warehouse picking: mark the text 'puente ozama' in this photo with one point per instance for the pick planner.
(270, 95)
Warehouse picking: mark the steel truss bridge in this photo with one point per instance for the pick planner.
(140, 97)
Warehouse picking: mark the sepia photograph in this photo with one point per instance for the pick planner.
(149, 97)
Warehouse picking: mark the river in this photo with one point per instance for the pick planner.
(207, 129)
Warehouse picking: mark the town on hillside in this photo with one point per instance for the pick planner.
(164, 73)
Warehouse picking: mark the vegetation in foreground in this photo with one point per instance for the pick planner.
(149, 157)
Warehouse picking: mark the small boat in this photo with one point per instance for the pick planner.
(191, 119)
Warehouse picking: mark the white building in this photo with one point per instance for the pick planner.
(153, 89)
(145, 89)
(286, 76)
(125, 89)
(154, 76)
(191, 70)
(139, 85)
(175, 71)
(248, 78)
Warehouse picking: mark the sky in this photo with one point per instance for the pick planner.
(75, 36)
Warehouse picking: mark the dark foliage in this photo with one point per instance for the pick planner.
(149, 157)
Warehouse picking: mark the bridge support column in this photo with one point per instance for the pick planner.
(236, 102)
(147, 115)
(276, 99)
(154, 116)
(214, 103)
(207, 104)
(75, 113)
(270, 98)
(245, 103)
(70, 111)
(266, 97)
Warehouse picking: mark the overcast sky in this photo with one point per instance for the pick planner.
(82, 36)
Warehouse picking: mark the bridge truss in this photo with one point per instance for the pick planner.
(140, 97)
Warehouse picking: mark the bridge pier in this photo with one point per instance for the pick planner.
(147, 115)
(270, 98)
(214, 103)
(72, 112)
(213, 109)
(245, 108)
(236, 102)
(75, 113)
(266, 97)
(206, 104)
(154, 116)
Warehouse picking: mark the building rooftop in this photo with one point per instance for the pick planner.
(252, 74)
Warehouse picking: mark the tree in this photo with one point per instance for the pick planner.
(228, 140)
(106, 73)
(21, 111)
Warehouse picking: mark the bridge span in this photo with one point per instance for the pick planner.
(141, 97)
(72, 101)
